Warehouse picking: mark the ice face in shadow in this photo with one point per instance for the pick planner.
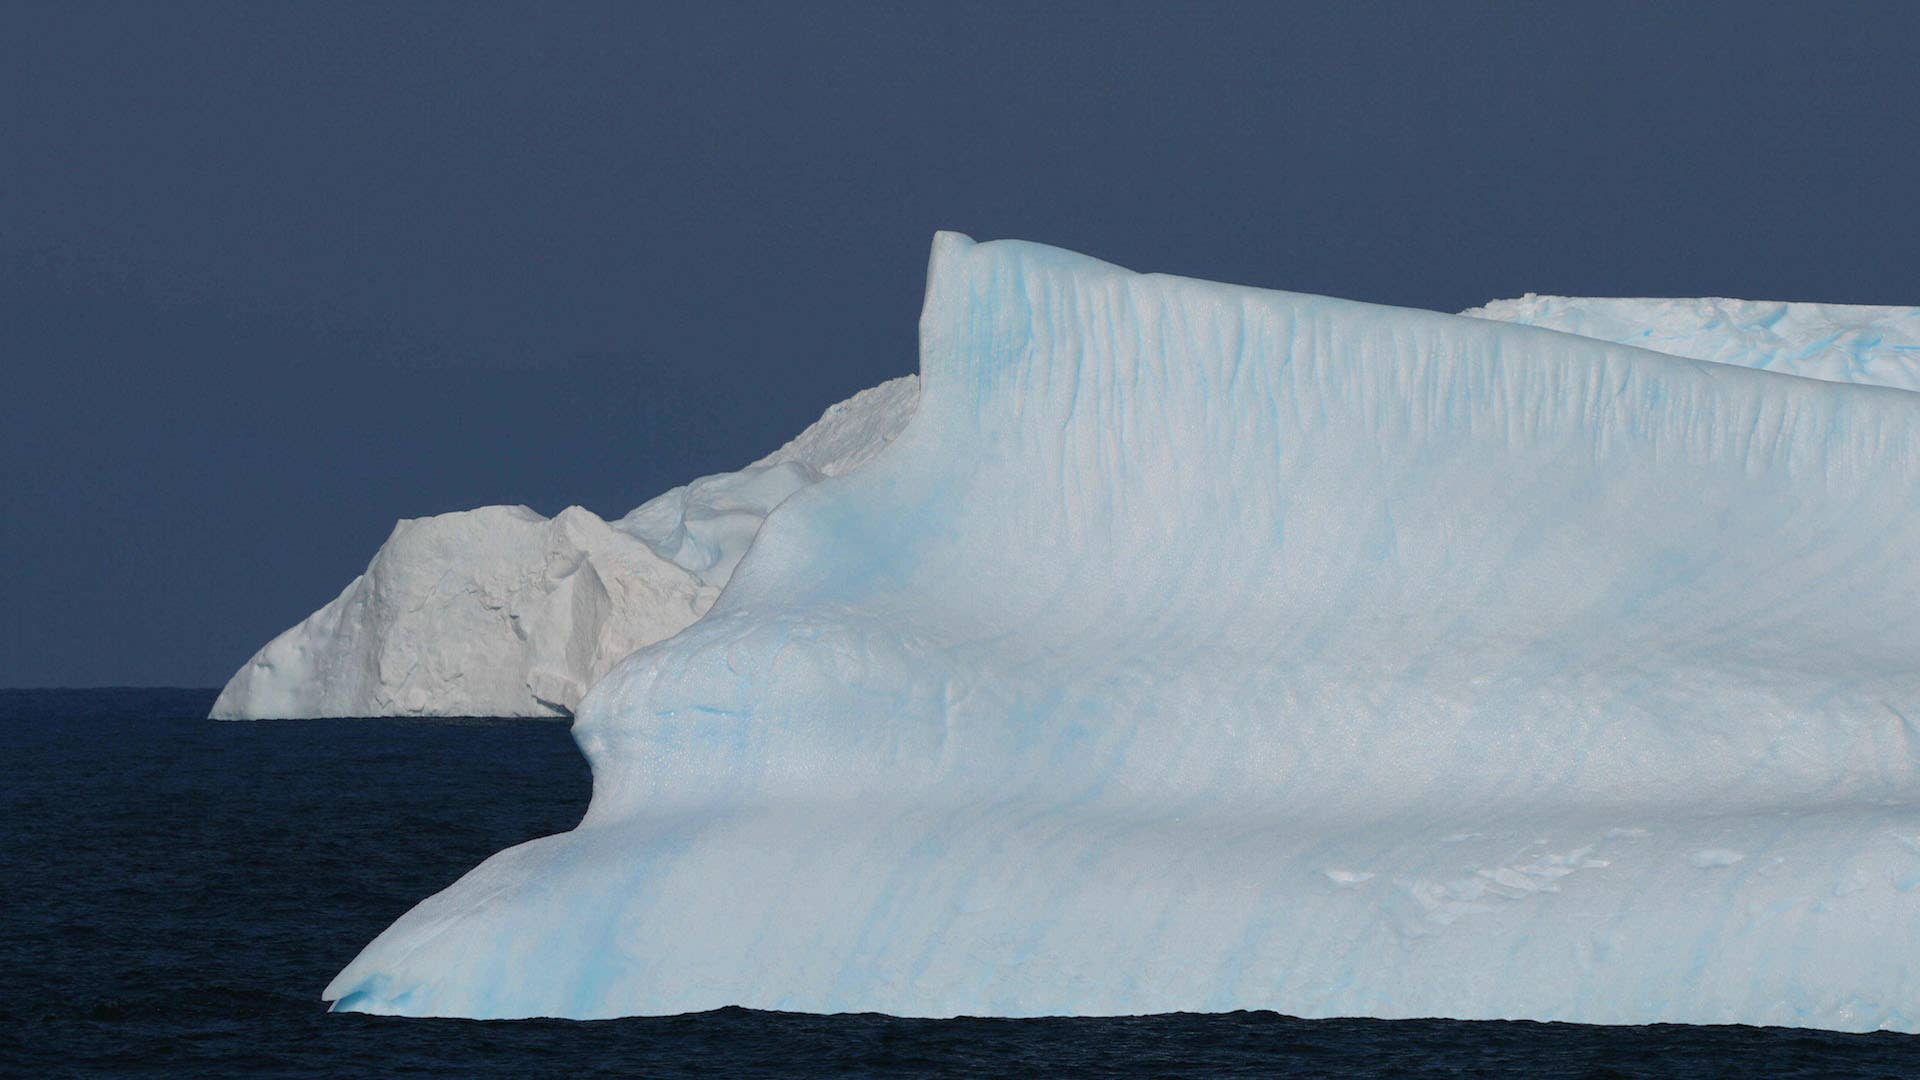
(1202, 647)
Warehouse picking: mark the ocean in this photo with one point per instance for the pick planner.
(178, 891)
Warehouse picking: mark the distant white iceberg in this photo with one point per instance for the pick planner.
(502, 612)
(1197, 647)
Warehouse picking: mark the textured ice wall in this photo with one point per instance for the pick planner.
(490, 612)
(501, 612)
(1837, 342)
(1201, 647)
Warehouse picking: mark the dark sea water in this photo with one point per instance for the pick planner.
(178, 891)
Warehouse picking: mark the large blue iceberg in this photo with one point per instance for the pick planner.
(1199, 647)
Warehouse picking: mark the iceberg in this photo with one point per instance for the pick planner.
(1203, 647)
(500, 611)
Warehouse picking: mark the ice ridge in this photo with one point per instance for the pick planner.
(1836, 342)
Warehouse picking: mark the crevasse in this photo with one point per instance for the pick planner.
(1204, 647)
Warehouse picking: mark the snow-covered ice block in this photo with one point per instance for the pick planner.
(500, 612)
(490, 612)
(1205, 647)
(705, 526)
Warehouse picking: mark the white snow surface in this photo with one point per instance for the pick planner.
(1836, 342)
(1199, 647)
(502, 612)
(490, 612)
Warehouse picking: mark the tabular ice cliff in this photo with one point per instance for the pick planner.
(1199, 647)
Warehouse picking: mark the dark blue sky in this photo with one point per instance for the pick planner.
(275, 275)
